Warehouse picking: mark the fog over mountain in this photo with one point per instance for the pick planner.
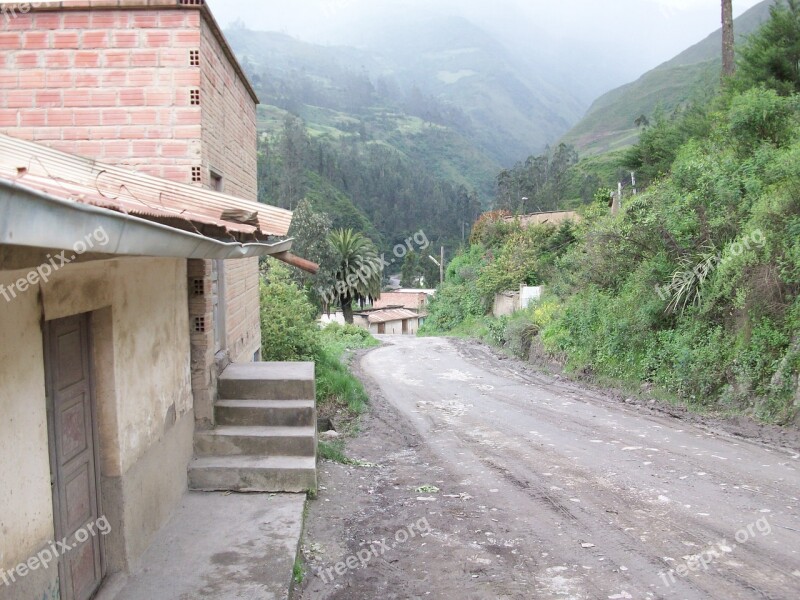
(589, 47)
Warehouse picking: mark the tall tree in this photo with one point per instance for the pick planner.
(359, 271)
(771, 56)
(409, 273)
(311, 232)
(728, 40)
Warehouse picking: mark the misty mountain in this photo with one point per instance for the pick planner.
(692, 75)
(445, 70)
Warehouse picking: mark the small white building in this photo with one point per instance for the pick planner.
(390, 321)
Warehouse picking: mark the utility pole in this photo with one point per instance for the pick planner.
(728, 40)
(439, 263)
(441, 267)
(617, 204)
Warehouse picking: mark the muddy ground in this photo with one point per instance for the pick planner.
(480, 477)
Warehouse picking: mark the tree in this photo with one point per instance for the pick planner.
(409, 274)
(359, 270)
(294, 151)
(311, 231)
(289, 329)
(771, 56)
(728, 40)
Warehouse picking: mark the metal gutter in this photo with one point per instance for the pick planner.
(34, 219)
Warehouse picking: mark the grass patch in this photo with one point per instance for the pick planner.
(298, 573)
(337, 388)
(332, 451)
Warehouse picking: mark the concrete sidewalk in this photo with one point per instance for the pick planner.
(222, 547)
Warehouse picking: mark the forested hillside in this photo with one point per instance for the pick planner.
(693, 289)
(406, 138)
(692, 76)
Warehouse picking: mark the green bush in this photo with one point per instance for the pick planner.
(760, 116)
(336, 385)
(289, 331)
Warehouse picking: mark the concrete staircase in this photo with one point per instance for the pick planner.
(265, 437)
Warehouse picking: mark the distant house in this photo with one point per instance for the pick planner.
(552, 218)
(507, 303)
(390, 321)
(416, 300)
(130, 238)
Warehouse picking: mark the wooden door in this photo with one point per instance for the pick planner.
(73, 455)
(381, 328)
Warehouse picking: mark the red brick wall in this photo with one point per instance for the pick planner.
(243, 324)
(228, 121)
(230, 149)
(116, 86)
(415, 301)
(112, 85)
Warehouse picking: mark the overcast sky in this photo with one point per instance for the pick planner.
(648, 32)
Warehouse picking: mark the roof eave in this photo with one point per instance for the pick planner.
(34, 219)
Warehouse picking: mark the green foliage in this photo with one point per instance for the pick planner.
(333, 451)
(525, 257)
(771, 57)
(358, 271)
(458, 299)
(539, 184)
(383, 189)
(652, 156)
(694, 287)
(408, 273)
(692, 77)
(336, 386)
(290, 332)
(288, 319)
(760, 116)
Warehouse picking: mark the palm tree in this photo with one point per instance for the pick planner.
(359, 270)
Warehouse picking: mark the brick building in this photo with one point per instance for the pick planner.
(130, 118)
(154, 86)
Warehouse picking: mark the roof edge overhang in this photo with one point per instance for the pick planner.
(34, 219)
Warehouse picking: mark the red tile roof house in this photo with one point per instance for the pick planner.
(126, 369)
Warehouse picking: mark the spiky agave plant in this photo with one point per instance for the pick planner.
(686, 286)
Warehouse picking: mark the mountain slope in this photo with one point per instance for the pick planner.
(693, 74)
(445, 70)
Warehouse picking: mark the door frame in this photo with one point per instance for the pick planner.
(51, 440)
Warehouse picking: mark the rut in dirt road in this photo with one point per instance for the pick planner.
(551, 491)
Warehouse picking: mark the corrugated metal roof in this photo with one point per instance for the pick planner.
(34, 219)
(180, 205)
(391, 314)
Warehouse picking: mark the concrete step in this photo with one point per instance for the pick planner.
(277, 413)
(231, 440)
(253, 474)
(267, 381)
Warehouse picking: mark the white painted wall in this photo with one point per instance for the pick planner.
(143, 380)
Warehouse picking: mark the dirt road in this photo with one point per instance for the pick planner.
(489, 480)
